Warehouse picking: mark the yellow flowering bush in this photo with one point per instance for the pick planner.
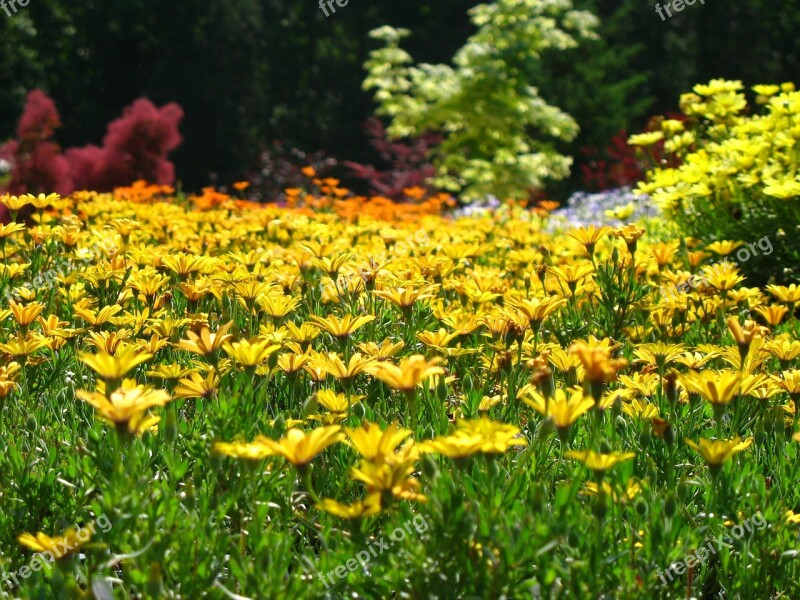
(732, 170)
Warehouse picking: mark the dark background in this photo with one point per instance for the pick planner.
(251, 72)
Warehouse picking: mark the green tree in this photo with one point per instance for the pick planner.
(499, 131)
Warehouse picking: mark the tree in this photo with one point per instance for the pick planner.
(499, 133)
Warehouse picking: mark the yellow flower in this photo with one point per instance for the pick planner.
(658, 354)
(333, 365)
(304, 334)
(630, 234)
(169, 371)
(646, 139)
(15, 204)
(27, 313)
(184, 264)
(126, 407)
(250, 354)
(42, 201)
(672, 126)
(766, 90)
(336, 402)
(717, 387)
(488, 402)
(278, 307)
(783, 350)
(358, 510)
(723, 247)
(292, 362)
(97, 318)
(791, 517)
(785, 188)
(564, 410)
(341, 328)
(258, 449)
(640, 409)
(632, 489)
(385, 351)
(599, 462)
(589, 236)
(743, 336)
(300, 448)
(480, 435)
(58, 546)
(537, 309)
(406, 376)
(572, 274)
(597, 362)
(437, 339)
(206, 343)
(722, 276)
(375, 444)
(331, 264)
(405, 297)
(197, 386)
(22, 347)
(663, 253)
(390, 479)
(113, 367)
(9, 229)
(716, 452)
(773, 314)
(786, 294)
(789, 381)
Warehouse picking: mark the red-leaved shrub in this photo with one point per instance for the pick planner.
(408, 162)
(137, 144)
(136, 147)
(621, 165)
(38, 165)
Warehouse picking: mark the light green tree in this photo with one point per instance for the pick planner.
(499, 134)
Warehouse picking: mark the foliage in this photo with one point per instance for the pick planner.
(733, 170)
(245, 73)
(599, 85)
(37, 164)
(135, 147)
(358, 398)
(616, 166)
(620, 164)
(251, 72)
(409, 166)
(498, 130)
(281, 168)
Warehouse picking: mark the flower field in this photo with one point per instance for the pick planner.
(201, 397)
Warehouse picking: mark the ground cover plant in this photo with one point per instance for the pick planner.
(351, 397)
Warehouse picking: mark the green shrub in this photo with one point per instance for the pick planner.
(499, 133)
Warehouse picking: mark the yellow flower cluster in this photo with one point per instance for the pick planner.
(487, 322)
(729, 148)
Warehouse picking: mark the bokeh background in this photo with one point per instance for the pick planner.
(270, 75)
